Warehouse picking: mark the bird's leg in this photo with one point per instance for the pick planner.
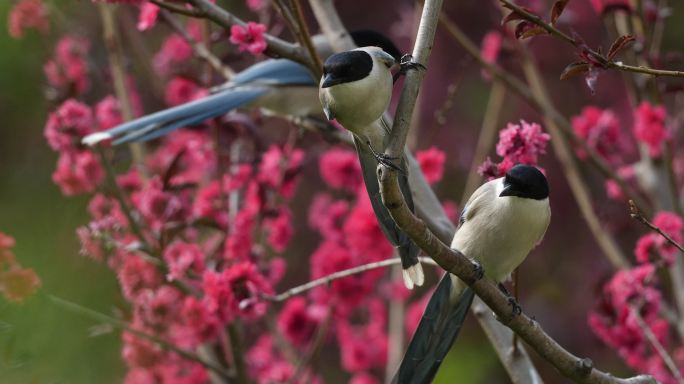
(479, 271)
(511, 300)
(406, 63)
(385, 159)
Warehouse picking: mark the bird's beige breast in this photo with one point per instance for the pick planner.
(500, 235)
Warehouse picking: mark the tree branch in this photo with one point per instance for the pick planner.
(201, 50)
(523, 91)
(325, 280)
(580, 370)
(189, 355)
(603, 60)
(635, 213)
(276, 47)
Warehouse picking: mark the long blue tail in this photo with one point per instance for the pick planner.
(435, 334)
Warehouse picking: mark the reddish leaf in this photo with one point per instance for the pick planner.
(620, 43)
(575, 69)
(512, 17)
(526, 29)
(557, 10)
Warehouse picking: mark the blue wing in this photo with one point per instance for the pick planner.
(247, 86)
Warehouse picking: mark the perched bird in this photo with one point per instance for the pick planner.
(500, 224)
(279, 86)
(355, 90)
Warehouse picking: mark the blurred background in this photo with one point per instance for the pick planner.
(40, 343)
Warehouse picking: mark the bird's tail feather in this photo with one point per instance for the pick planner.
(408, 250)
(162, 122)
(436, 332)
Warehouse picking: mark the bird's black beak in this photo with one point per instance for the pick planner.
(329, 81)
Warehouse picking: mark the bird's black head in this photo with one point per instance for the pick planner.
(525, 181)
(345, 67)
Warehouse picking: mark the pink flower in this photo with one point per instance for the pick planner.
(77, 172)
(108, 113)
(27, 14)
(362, 231)
(340, 169)
(186, 157)
(180, 91)
(239, 242)
(247, 284)
(136, 275)
(332, 257)
(158, 206)
(173, 53)
(431, 163)
(148, 16)
(236, 290)
(327, 216)
(68, 70)
(613, 318)
(137, 352)
(613, 190)
(649, 127)
(490, 48)
(298, 321)
(522, 143)
(364, 347)
(451, 209)
(17, 284)
(280, 168)
(159, 308)
(364, 378)
(279, 229)
(218, 297)
(249, 38)
(68, 124)
(604, 6)
(652, 245)
(182, 257)
(256, 5)
(198, 323)
(600, 129)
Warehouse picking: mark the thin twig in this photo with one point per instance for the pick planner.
(523, 91)
(314, 347)
(578, 186)
(116, 65)
(635, 213)
(338, 275)
(305, 38)
(199, 48)
(121, 199)
(178, 9)
(238, 353)
(603, 60)
(657, 346)
(77, 308)
(486, 139)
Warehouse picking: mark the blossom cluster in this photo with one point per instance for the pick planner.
(16, 283)
(518, 144)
